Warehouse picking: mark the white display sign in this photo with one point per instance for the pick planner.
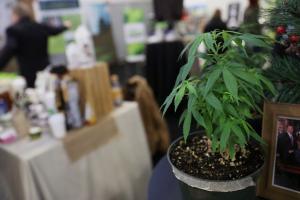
(135, 33)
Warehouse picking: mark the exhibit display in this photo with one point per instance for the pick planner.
(97, 16)
(135, 34)
(118, 23)
(91, 93)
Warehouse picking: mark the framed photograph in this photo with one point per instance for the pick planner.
(281, 130)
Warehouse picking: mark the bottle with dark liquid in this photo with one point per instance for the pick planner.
(116, 91)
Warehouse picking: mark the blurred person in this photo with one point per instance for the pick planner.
(28, 41)
(251, 17)
(216, 23)
(280, 127)
(280, 133)
(287, 145)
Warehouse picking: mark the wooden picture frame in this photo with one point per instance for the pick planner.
(275, 114)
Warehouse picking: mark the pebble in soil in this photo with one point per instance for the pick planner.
(194, 159)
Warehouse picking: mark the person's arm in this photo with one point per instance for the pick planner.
(9, 48)
(52, 30)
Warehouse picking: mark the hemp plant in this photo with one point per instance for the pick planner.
(221, 100)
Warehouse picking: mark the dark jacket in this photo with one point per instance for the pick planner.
(168, 10)
(215, 24)
(297, 156)
(284, 146)
(28, 41)
(251, 24)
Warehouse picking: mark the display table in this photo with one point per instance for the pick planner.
(163, 184)
(119, 169)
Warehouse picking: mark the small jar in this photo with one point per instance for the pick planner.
(35, 133)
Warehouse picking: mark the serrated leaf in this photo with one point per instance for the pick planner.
(230, 83)
(228, 43)
(212, 78)
(249, 96)
(178, 79)
(253, 40)
(182, 117)
(185, 49)
(212, 100)
(209, 42)
(239, 133)
(194, 47)
(187, 125)
(255, 136)
(203, 55)
(255, 91)
(244, 51)
(226, 36)
(215, 116)
(232, 110)
(269, 85)
(238, 41)
(234, 65)
(179, 96)
(222, 119)
(192, 89)
(199, 119)
(184, 72)
(245, 110)
(186, 69)
(168, 101)
(247, 130)
(225, 136)
(191, 103)
(246, 76)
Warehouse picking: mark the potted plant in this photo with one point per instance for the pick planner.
(223, 161)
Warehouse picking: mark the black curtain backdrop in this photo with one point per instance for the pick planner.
(162, 67)
(168, 10)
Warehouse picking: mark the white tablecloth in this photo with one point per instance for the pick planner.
(118, 170)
